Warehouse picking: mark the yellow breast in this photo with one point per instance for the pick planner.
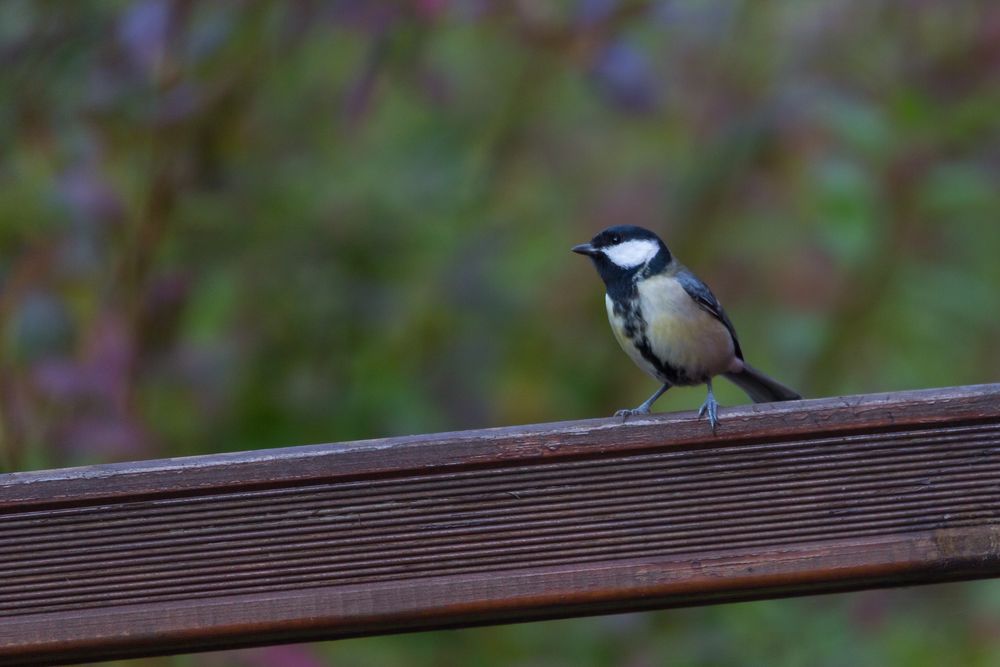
(680, 332)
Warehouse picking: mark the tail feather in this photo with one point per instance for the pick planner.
(761, 388)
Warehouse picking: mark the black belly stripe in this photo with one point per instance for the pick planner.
(669, 373)
(634, 328)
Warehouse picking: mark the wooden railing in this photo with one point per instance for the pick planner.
(499, 525)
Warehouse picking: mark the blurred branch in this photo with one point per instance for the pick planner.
(29, 270)
(580, 41)
(872, 279)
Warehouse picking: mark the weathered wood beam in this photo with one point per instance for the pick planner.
(499, 525)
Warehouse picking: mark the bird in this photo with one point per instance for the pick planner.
(669, 322)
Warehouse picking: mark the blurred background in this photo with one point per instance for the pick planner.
(229, 225)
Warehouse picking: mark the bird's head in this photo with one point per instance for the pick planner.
(622, 251)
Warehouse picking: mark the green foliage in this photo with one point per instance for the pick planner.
(250, 224)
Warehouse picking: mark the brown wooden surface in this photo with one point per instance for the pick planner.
(498, 525)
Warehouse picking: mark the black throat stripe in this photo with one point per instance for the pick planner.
(636, 330)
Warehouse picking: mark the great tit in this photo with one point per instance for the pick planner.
(669, 322)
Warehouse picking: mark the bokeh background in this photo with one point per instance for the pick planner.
(228, 225)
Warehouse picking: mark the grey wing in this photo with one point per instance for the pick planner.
(703, 296)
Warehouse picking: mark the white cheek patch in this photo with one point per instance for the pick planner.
(632, 253)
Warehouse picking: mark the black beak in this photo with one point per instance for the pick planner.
(585, 249)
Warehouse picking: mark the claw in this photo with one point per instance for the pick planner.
(711, 408)
(625, 413)
(643, 409)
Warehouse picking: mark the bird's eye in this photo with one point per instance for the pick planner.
(615, 239)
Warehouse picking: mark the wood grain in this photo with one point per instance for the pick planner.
(498, 525)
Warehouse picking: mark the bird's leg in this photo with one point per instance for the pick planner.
(644, 408)
(710, 407)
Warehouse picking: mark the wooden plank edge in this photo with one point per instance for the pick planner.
(501, 597)
(460, 449)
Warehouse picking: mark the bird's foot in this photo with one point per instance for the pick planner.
(625, 413)
(711, 408)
